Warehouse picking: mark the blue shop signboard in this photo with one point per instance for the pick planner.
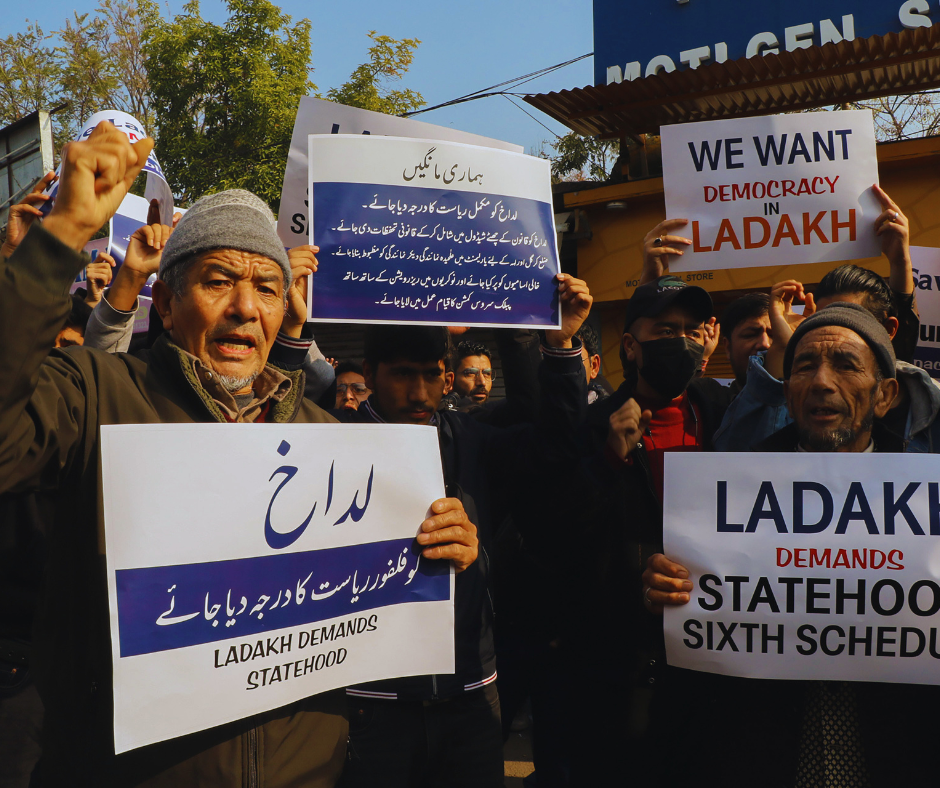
(634, 40)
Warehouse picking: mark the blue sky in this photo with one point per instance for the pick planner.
(465, 47)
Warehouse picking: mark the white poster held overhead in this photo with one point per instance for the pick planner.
(774, 190)
(157, 187)
(926, 265)
(427, 232)
(317, 116)
(806, 566)
(250, 567)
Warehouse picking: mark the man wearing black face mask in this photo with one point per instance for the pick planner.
(661, 398)
(661, 407)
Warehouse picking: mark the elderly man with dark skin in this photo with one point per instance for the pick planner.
(839, 370)
(221, 292)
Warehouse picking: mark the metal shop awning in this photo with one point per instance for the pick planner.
(897, 63)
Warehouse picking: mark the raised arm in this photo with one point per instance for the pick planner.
(42, 406)
(111, 325)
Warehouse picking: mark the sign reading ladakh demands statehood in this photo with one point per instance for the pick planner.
(249, 567)
(775, 190)
(926, 269)
(427, 232)
(806, 566)
(317, 116)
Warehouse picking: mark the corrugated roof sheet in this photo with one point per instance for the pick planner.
(893, 64)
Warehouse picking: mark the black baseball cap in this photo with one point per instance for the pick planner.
(654, 298)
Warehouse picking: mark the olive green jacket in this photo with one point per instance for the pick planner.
(52, 403)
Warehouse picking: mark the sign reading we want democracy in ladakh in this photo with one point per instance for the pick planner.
(775, 190)
(806, 566)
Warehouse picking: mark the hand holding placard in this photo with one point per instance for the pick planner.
(303, 264)
(658, 244)
(665, 583)
(783, 320)
(574, 301)
(448, 534)
(895, 233)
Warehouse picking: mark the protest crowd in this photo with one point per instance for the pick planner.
(552, 520)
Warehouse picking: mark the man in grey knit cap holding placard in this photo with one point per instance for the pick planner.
(221, 293)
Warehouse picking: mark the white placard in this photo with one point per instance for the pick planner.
(250, 566)
(773, 190)
(316, 116)
(806, 565)
(157, 187)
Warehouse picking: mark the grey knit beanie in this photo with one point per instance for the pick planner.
(233, 219)
(855, 318)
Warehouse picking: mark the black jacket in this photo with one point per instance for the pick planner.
(622, 528)
(495, 471)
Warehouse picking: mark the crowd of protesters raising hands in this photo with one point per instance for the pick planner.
(552, 520)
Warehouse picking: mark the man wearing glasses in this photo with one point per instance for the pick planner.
(351, 386)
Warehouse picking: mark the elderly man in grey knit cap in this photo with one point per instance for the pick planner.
(221, 289)
(221, 297)
(839, 374)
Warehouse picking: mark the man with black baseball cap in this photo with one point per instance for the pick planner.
(662, 406)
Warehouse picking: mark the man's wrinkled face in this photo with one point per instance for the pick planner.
(229, 314)
(834, 393)
(406, 392)
(351, 389)
(474, 378)
(749, 337)
(592, 364)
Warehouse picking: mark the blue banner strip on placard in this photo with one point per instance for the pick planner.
(928, 358)
(409, 254)
(168, 607)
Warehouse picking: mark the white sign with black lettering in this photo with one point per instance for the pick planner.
(806, 566)
(774, 190)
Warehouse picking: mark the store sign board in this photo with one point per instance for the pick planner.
(634, 40)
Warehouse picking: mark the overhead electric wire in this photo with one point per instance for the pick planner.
(555, 134)
(492, 89)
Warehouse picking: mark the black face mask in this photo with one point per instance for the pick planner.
(670, 364)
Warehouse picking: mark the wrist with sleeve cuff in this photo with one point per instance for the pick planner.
(290, 352)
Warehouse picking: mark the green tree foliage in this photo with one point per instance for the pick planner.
(367, 87)
(29, 74)
(220, 100)
(225, 97)
(92, 63)
(577, 158)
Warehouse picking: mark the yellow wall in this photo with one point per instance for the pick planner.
(610, 260)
